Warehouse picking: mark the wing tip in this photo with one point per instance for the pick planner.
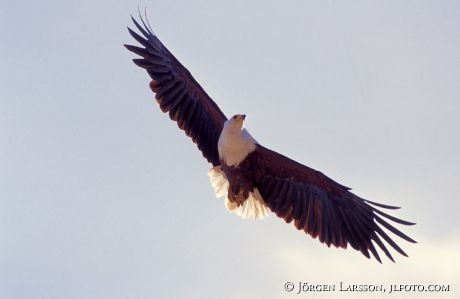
(380, 205)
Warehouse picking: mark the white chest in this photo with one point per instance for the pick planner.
(235, 145)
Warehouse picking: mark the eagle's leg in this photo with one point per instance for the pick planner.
(237, 195)
(240, 184)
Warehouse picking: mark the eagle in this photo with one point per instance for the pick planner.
(253, 179)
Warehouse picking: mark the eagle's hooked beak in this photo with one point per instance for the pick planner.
(240, 120)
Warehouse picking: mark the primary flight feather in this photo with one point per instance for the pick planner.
(254, 179)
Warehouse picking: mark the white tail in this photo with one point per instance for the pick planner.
(254, 207)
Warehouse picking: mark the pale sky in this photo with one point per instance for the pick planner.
(102, 196)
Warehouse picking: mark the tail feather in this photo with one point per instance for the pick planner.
(252, 208)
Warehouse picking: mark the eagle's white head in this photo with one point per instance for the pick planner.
(235, 143)
(235, 123)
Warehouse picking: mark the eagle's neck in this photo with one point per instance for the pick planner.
(234, 145)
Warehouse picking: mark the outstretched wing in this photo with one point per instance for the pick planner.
(322, 207)
(178, 93)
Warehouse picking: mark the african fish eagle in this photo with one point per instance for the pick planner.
(254, 179)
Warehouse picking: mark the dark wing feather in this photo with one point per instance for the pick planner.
(322, 207)
(178, 93)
